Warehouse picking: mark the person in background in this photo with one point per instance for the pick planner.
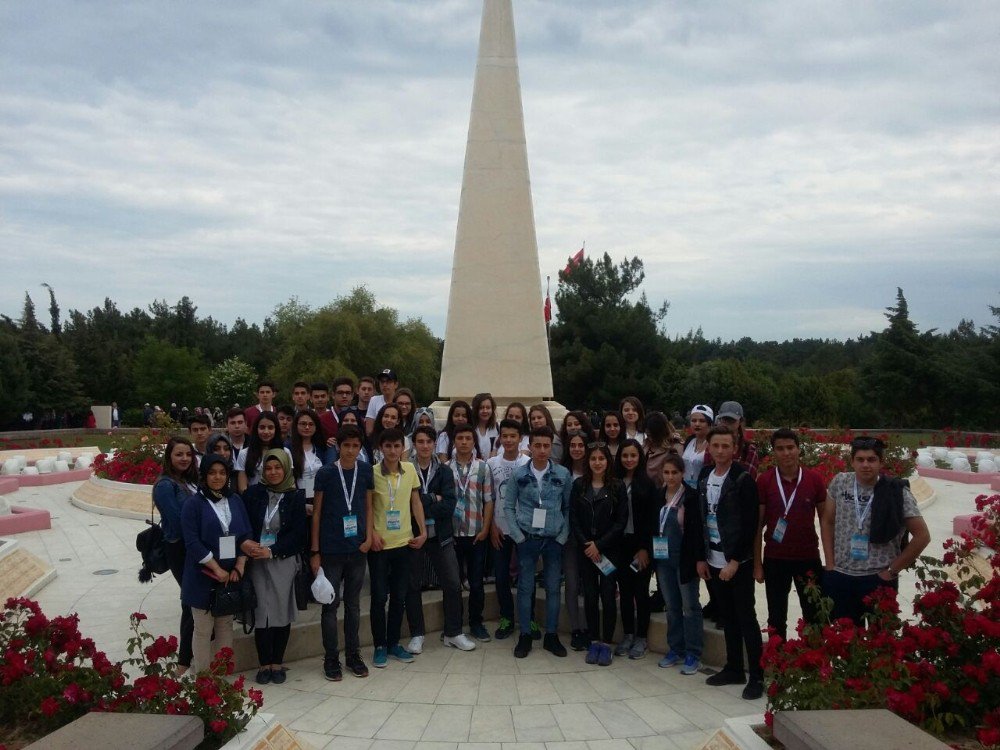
(266, 391)
(611, 431)
(199, 429)
(791, 501)
(677, 546)
(177, 483)
(540, 416)
(518, 412)
(459, 413)
(339, 541)
(116, 417)
(286, 417)
(636, 551)
(484, 411)
(265, 435)
(366, 391)
(634, 416)
(866, 518)
(215, 524)
(351, 416)
(277, 514)
(575, 422)
(407, 404)
(309, 452)
(236, 428)
(389, 417)
(598, 514)
(731, 415)
(319, 395)
(388, 382)
(300, 396)
(695, 453)
(661, 441)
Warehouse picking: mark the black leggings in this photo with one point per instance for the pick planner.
(271, 644)
(175, 557)
(633, 589)
(596, 584)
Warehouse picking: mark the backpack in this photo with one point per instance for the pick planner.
(150, 544)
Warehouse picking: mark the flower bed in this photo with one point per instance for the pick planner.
(941, 670)
(51, 675)
(9, 444)
(136, 459)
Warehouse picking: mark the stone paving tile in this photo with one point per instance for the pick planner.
(407, 722)
(422, 688)
(364, 719)
(313, 740)
(348, 743)
(499, 690)
(619, 720)
(577, 722)
(659, 717)
(478, 746)
(535, 689)
(321, 717)
(448, 724)
(691, 740)
(535, 724)
(459, 689)
(492, 724)
(580, 745)
(696, 711)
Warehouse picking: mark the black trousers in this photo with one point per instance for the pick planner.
(779, 575)
(347, 574)
(633, 591)
(849, 592)
(271, 643)
(175, 556)
(596, 586)
(389, 574)
(736, 603)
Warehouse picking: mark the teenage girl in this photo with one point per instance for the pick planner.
(635, 417)
(484, 407)
(611, 431)
(458, 413)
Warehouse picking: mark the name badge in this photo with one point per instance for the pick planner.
(431, 528)
(779, 529)
(712, 522)
(392, 522)
(661, 549)
(309, 484)
(859, 547)
(605, 565)
(350, 526)
(268, 538)
(227, 547)
(538, 518)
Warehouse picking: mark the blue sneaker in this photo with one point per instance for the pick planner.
(691, 664)
(604, 657)
(379, 659)
(593, 653)
(399, 653)
(672, 659)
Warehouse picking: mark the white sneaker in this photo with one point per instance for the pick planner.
(416, 645)
(461, 641)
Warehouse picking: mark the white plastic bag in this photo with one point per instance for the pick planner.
(322, 590)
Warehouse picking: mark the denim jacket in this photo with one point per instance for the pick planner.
(522, 495)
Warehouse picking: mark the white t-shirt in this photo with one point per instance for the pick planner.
(308, 480)
(374, 405)
(716, 558)
(486, 441)
(693, 463)
(539, 473)
(441, 446)
(502, 471)
(640, 436)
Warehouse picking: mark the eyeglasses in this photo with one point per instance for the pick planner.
(597, 444)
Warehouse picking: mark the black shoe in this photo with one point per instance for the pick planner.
(505, 630)
(579, 640)
(278, 676)
(332, 670)
(753, 690)
(357, 665)
(263, 676)
(726, 677)
(551, 644)
(523, 647)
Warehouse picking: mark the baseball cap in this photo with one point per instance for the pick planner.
(705, 410)
(731, 409)
(387, 374)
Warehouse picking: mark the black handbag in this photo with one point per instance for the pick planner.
(151, 545)
(302, 585)
(237, 599)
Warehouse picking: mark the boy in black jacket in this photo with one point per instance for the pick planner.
(728, 502)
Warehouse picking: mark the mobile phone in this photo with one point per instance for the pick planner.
(635, 565)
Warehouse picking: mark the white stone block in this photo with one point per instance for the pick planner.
(83, 462)
(45, 465)
(59, 466)
(986, 466)
(925, 460)
(961, 464)
(64, 456)
(940, 453)
(29, 471)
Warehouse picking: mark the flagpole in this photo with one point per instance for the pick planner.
(548, 335)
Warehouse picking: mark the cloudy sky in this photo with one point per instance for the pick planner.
(780, 167)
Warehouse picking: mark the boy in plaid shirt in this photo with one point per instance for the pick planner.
(473, 517)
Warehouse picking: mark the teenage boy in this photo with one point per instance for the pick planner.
(300, 395)
(265, 402)
(236, 428)
(200, 427)
(437, 494)
(473, 514)
(791, 498)
(342, 505)
(864, 523)
(395, 503)
(502, 466)
(286, 418)
(728, 501)
(343, 394)
(388, 382)
(319, 394)
(366, 389)
(536, 506)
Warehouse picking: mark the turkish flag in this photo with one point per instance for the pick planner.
(574, 261)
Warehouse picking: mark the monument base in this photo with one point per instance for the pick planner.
(557, 410)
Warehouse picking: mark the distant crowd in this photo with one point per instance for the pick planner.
(344, 482)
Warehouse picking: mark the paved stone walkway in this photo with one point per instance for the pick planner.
(445, 700)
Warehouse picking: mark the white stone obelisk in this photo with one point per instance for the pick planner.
(495, 338)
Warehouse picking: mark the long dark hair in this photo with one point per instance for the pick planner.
(406, 424)
(640, 468)
(609, 473)
(640, 424)
(379, 428)
(255, 448)
(586, 428)
(659, 431)
(567, 460)
(318, 439)
(525, 425)
(449, 425)
(478, 401)
(167, 468)
(621, 425)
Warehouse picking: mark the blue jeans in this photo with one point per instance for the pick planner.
(528, 553)
(685, 626)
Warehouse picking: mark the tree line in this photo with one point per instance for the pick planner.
(606, 340)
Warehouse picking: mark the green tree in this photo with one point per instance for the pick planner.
(15, 381)
(165, 373)
(231, 382)
(606, 340)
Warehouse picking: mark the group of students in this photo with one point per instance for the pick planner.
(370, 483)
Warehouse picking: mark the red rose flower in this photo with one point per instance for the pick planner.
(49, 706)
